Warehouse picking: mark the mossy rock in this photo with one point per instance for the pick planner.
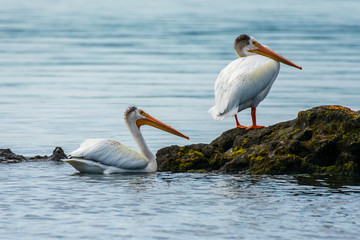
(321, 140)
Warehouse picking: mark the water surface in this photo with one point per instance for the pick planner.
(69, 69)
(48, 201)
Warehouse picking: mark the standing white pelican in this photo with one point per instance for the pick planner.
(108, 156)
(246, 81)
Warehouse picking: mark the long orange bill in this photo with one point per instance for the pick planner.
(149, 120)
(273, 55)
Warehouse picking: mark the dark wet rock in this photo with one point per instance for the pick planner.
(57, 155)
(7, 156)
(321, 140)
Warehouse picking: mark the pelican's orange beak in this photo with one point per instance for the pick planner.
(273, 55)
(149, 120)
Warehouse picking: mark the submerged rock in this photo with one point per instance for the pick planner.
(7, 156)
(322, 140)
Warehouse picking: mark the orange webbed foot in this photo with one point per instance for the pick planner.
(241, 126)
(254, 127)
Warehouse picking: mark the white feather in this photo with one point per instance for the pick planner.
(244, 83)
(111, 153)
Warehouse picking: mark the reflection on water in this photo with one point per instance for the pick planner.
(344, 185)
(132, 181)
(53, 202)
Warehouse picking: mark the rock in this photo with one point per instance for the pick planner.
(321, 140)
(57, 155)
(7, 156)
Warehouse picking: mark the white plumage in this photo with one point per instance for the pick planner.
(108, 156)
(246, 81)
(110, 153)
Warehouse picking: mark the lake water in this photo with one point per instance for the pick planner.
(48, 201)
(69, 69)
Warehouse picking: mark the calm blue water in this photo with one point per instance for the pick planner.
(45, 201)
(69, 69)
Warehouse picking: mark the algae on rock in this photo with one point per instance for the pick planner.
(321, 140)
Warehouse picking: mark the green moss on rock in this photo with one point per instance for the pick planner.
(322, 140)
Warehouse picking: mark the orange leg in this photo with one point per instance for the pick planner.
(253, 116)
(238, 124)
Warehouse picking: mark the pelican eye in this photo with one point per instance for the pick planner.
(254, 43)
(141, 112)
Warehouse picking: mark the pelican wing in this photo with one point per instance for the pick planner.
(239, 84)
(110, 153)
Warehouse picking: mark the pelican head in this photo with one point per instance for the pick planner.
(246, 45)
(140, 117)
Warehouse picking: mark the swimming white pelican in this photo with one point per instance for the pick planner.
(246, 81)
(108, 156)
